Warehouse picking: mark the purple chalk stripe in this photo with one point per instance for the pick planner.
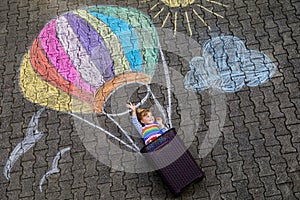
(94, 45)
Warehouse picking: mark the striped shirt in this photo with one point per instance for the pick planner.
(149, 132)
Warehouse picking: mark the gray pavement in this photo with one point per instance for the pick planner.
(254, 156)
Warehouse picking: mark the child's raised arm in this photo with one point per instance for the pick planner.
(132, 107)
(134, 119)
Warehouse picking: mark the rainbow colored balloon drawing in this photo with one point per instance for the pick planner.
(82, 56)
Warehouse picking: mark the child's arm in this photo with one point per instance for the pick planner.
(135, 121)
(133, 109)
(137, 124)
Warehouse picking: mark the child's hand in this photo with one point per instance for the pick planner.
(131, 106)
(159, 120)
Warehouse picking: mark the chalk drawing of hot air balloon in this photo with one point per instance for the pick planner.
(81, 56)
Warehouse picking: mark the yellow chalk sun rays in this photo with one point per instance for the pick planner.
(190, 5)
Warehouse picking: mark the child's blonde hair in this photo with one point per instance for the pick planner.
(142, 112)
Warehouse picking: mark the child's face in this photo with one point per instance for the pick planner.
(148, 118)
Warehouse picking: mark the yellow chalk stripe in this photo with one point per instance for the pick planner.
(210, 11)
(178, 3)
(157, 14)
(218, 3)
(202, 20)
(175, 23)
(166, 18)
(43, 93)
(188, 23)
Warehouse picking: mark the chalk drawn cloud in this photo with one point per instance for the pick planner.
(227, 65)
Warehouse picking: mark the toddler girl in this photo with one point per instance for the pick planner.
(144, 122)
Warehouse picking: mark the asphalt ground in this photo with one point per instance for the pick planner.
(254, 153)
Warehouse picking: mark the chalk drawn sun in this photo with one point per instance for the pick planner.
(184, 6)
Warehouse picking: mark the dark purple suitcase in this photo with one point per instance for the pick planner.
(174, 162)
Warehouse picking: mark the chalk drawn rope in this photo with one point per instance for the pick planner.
(168, 83)
(167, 119)
(160, 107)
(103, 130)
(125, 133)
(140, 103)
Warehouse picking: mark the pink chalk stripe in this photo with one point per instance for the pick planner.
(58, 57)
